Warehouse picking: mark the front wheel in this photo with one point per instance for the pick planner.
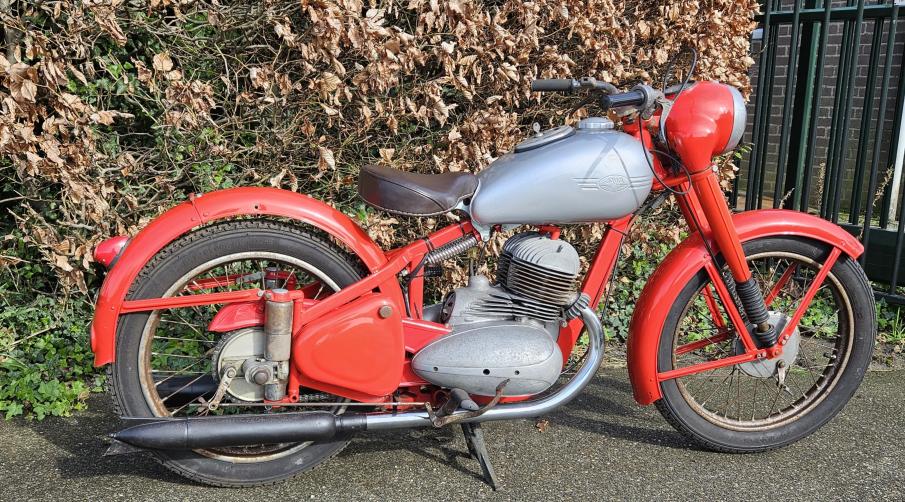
(752, 407)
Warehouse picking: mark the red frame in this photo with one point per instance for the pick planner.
(694, 135)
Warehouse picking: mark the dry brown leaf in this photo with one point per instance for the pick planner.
(162, 62)
(327, 161)
(421, 84)
(28, 91)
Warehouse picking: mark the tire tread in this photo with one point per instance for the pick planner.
(176, 246)
(861, 285)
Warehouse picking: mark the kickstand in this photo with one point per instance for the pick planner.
(474, 438)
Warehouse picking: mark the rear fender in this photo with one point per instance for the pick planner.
(207, 208)
(685, 261)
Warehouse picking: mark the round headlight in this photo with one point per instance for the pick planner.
(739, 119)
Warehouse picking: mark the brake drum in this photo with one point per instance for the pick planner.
(234, 349)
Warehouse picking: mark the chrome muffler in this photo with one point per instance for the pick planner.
(246, 430)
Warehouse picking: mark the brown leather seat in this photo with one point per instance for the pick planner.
(414, 194)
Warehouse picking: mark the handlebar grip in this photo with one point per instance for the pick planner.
(553, 85)
(630, 98)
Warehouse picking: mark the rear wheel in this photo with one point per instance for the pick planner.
(763, 405)
(166, 361)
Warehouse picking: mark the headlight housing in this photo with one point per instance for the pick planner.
(740, 119)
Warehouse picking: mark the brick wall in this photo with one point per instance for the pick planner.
(826, 109)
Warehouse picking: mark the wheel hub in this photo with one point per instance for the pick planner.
(767, 368)
(234, 349)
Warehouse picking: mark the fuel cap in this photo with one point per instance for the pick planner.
(596, 123)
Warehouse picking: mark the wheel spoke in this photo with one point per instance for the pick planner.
(180, 389)
(742, 397)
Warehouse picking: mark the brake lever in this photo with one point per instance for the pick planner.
(666, 107)
(593, 83)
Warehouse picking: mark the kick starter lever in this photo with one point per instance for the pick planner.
(459, 398)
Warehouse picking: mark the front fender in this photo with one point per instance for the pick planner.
(204, 209)
(681, 265)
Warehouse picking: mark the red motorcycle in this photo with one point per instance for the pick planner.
(251, 331)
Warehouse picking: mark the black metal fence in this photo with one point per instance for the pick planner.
(825, 123)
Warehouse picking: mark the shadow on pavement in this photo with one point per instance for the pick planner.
(605, 408)
(84, 438)
(445, 446)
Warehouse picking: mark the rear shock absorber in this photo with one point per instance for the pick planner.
(278, 330)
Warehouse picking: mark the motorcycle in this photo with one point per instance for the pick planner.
(250, 332)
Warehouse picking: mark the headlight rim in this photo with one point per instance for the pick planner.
(739, 119)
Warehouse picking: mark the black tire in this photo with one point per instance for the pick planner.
(681, 414)
(173, 262)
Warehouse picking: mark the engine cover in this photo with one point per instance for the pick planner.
(476, 357)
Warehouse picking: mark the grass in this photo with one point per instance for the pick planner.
(890, 323)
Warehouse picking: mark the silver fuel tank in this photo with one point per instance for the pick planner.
(565, 175)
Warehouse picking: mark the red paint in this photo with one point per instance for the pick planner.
(551, 230)
(205, 209)
(419, 333)
(812, 291)
(700, 344)
(716, 212)
(738, 323)
(699, 124)
(354, 351)
(107, 251)
(409, 377)
(247, 314)
(292, 387)
(698, 127)
(214, 282)
(713, 307)
(781, 283)
(242, 310)
(709, 365)
(341, 344)
(237, 316)
(173, 302)
(686, 260)
(595, 281)
(387, 274)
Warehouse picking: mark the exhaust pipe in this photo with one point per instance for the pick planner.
(524, 409)
(246, 430)
(239, 430)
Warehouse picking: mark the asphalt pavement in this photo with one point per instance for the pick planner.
(602, 446)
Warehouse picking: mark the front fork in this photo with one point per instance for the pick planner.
(706, 198)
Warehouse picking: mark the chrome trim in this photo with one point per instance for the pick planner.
(509, 411)
(740, 119)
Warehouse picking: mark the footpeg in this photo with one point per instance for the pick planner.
(459, 398)
(474, 438)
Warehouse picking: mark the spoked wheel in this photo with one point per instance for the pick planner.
(168, 364)
(762, 405)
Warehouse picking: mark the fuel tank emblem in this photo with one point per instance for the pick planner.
(611, 183)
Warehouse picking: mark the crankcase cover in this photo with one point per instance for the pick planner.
(596, 174)
(477, 357)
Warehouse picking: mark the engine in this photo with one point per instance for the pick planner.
(507, 330)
